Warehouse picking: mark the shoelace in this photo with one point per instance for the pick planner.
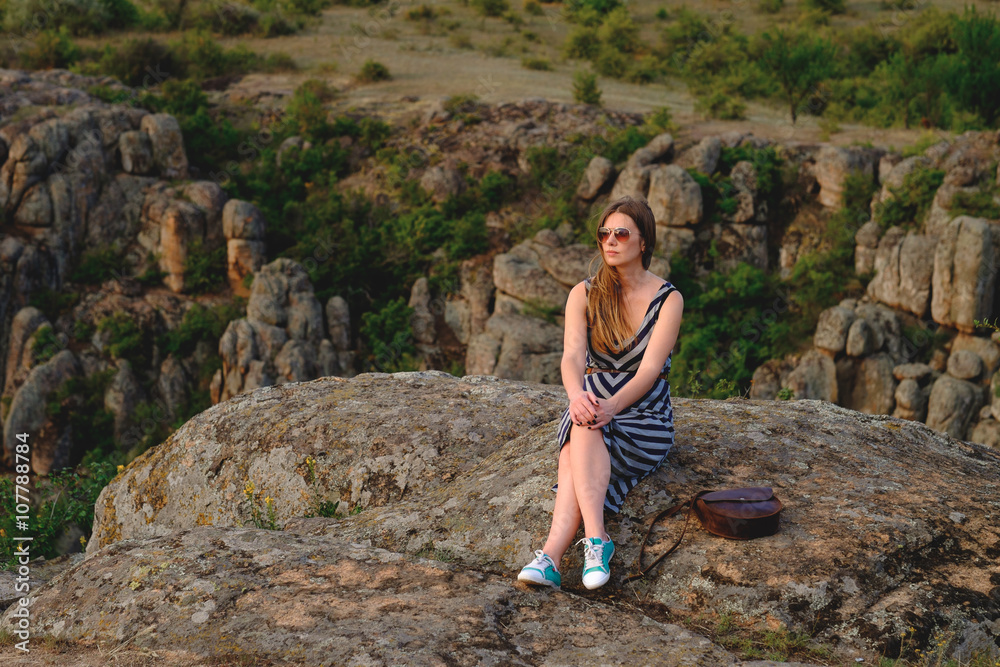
(592, 554)
(542, 561)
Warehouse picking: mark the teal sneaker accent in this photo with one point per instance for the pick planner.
(541, 572)
(597, 555)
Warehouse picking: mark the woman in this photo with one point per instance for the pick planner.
(621, 326)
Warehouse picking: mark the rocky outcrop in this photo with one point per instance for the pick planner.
(244, 228)
(835, 163)
(674, 197)
(359, 461)
(472, 487)
(282, 337)
(904, 265)
(964, 273)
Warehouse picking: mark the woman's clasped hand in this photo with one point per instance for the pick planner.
(587, 410)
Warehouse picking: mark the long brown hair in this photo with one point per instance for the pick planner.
(606, 312)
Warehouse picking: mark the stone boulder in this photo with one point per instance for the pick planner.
(867, 240)
(517, 347)
(599, 173)
(244, 228)
(987, 350)
(519, 273)
(904, 265)
(965, 365)
(633, 181)
(442, 183)
(674, 196)
(833, 327)
(964, 273)
(167, 145)
(953, 405)
(703, 156)
(815, 377)
(847, 481)
(51, 439)
(350, 428)
(659, 149)
(835, 163)
(867, 384)
(467, 311)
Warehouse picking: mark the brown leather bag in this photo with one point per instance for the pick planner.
(738, 514)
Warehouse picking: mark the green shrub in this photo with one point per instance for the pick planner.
(718, 104)
(135, 59)
(60, 499)
(533, 8)
(51, 49)
(979, 204)
(582, 43)
(600, 7)
(661, 120)
(770, 6)
(183, 97)
(373, 132)
(307, 109)
(585, 89)
(536, 63)
(45, 344)
(52, 303)
(495, 189)
(831, 6)
(126, 339)
(469, 237)
(199, 323)
(98, 265)
(204, 270)
(83, 17)
(611, 62)
(662, 14)
(388, 336)
(372, 71)
(908, 204)
(491, 7)
(421, 13)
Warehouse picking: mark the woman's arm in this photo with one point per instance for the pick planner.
(661, 342)
(582, 404)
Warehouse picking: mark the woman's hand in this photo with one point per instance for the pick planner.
(583, 408)
(604, 412)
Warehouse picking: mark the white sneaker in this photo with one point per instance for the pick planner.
(597, 555)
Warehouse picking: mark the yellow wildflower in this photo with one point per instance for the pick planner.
(248, 490)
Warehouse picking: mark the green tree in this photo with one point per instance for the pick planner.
(977, 80)
(798, 62)
(585, 89)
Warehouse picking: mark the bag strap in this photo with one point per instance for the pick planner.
(665, 514)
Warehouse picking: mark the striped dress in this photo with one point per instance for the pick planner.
(640, 436)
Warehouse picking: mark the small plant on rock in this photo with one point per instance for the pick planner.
(262, 512)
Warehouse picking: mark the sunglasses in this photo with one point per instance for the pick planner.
(621, 233)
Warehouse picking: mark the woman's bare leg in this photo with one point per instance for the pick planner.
(566, 515)
(591, 466)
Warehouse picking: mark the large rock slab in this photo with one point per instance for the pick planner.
(855, 488)
(256, 594)
(374, 439)
(887, 524)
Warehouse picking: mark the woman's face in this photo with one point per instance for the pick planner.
(620, 252)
